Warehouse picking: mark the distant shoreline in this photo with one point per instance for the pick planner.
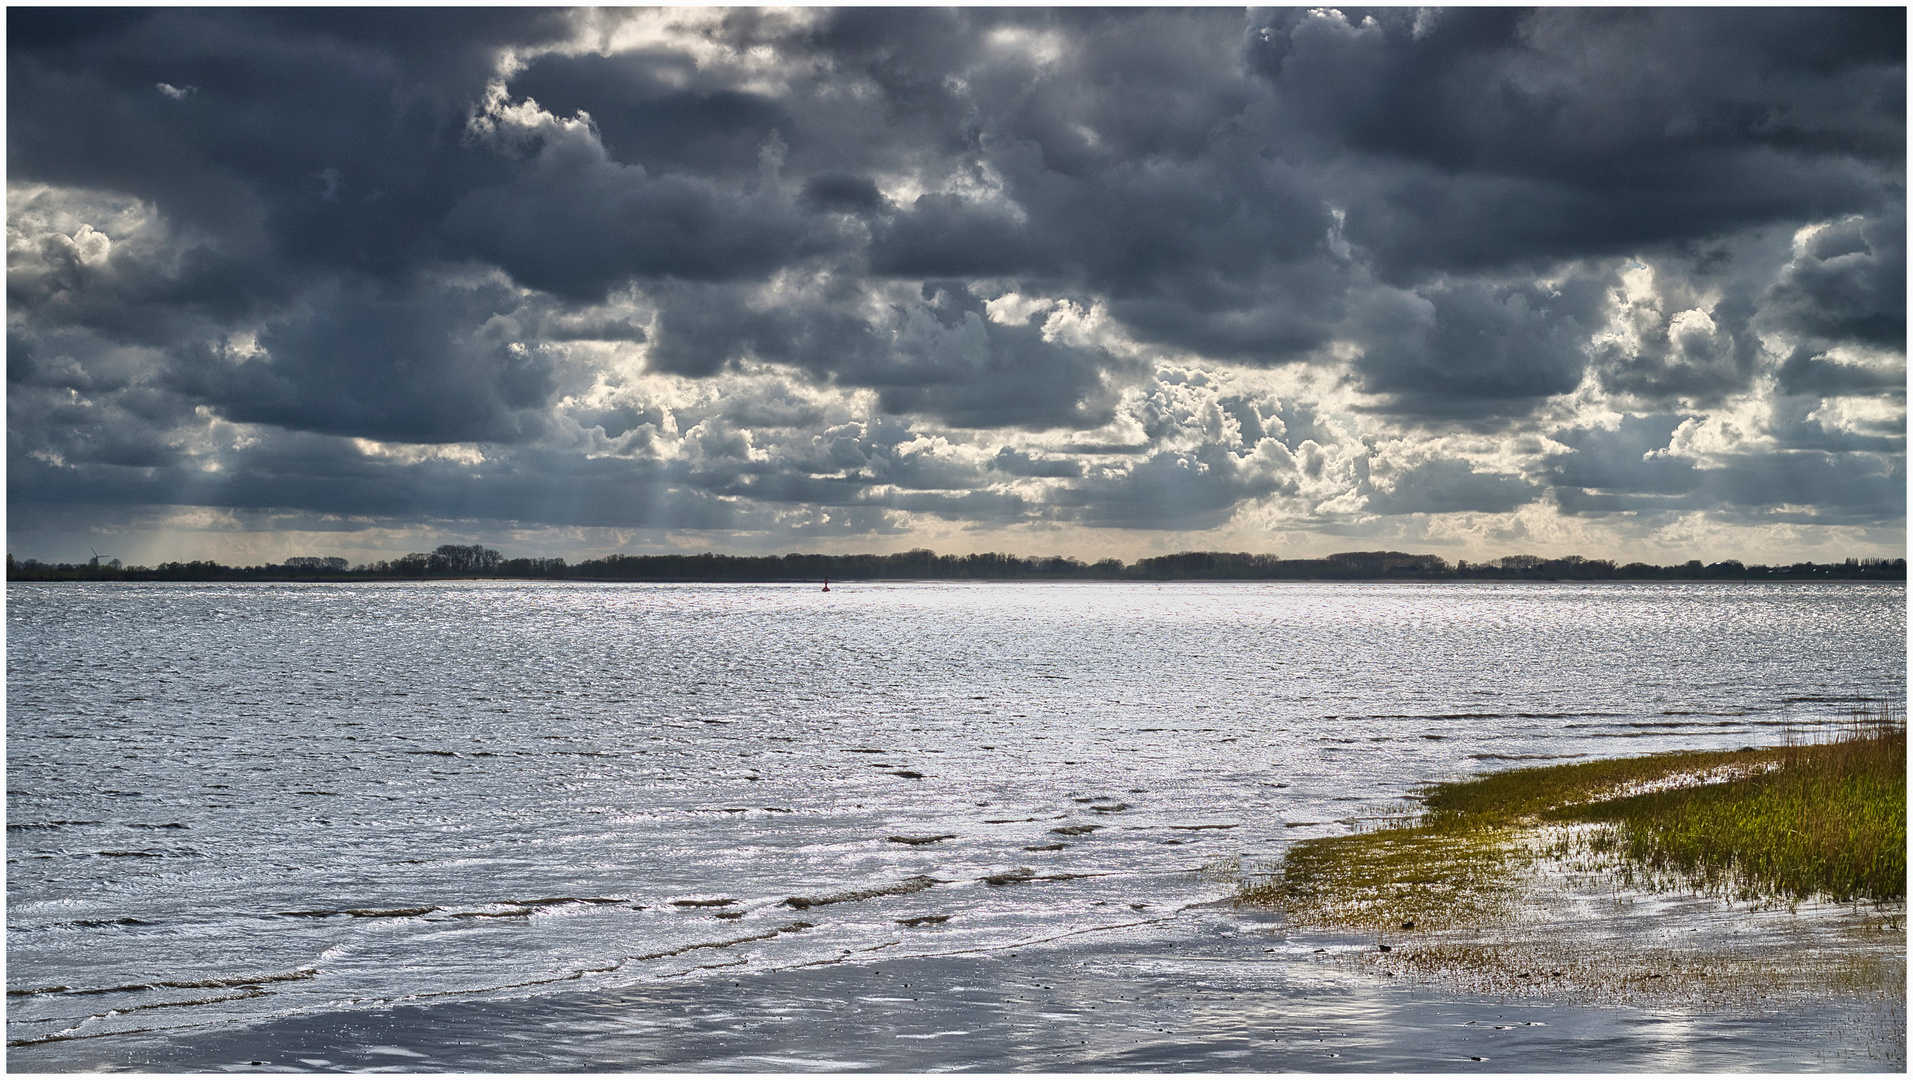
(375, 579)
(465, 563)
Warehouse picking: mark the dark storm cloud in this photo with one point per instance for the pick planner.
(1696, 360)
(577, 223)
(362, 223)
(1196, 490)
(1504, 135)
(939, 355)
(305, 472)
(1441, 487)
(1847, 284)
(423, 365)
(1808, 372)
(1019, 463)
(133, 428)
(654, 108)
(154, 296)
(309, 139)
(1795, 487)
(1624, 461)
(1629, 469)
(841, 191)
(949, 235)
(1463, 346)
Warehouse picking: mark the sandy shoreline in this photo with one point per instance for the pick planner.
(1239, 992)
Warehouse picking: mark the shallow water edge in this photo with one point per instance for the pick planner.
(1238, 993)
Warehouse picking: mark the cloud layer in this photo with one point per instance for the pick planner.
(1629, 282)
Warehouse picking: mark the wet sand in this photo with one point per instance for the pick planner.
(1239, 992)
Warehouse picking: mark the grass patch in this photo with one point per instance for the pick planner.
(1788, 822)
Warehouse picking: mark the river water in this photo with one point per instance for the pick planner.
(315, 808)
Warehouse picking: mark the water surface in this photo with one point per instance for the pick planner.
(240, 805)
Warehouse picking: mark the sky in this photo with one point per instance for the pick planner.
(1624, 283)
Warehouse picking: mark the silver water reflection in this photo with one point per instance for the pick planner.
(233, 802)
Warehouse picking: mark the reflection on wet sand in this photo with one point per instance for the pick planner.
(1241, 993)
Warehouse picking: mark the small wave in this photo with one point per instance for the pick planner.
(900, 888)
(920, 840)
(1479, 716)
(73, 1034)
(226, 982)
(1024, 874)
(1670, 725)
(518, 909)
(360, 913)
(1075, 830)
(787, 928)
(245, 996)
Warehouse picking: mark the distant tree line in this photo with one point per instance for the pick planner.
(477, 561)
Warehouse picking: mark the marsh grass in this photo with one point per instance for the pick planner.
(1828, 820)
(1825, 819)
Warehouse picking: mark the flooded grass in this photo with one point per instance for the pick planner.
(1790, 822)
(1411, 877)
(1613, 973)
(1708, 877)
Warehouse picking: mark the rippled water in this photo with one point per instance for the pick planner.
(237, 803)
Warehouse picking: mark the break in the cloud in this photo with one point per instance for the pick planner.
(1629, 282)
